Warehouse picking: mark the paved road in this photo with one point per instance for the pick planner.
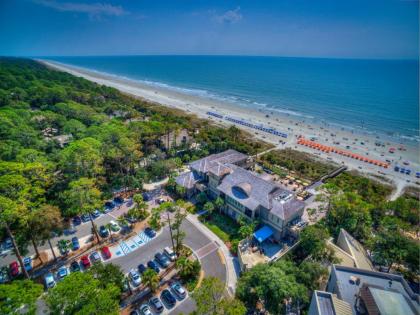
(209, 257)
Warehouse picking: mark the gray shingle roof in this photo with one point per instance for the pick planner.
(227, 157)
(250, 190)
(188, 179)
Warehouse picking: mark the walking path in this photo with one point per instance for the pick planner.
(232, 264)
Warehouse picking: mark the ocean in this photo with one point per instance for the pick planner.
(376, 96)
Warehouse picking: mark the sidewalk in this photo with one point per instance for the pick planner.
(231, 261)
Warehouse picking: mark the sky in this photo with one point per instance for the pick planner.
(379, 29)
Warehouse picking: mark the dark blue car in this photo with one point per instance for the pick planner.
(149, 232)
(152, 265)
(77, 220)
(75, 243)
(142, 268)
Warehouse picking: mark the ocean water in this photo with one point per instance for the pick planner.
(377, 96)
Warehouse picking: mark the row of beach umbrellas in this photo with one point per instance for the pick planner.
(329, 149)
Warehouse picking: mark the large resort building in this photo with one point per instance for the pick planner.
(246, 193)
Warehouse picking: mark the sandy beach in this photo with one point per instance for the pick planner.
(367, 145)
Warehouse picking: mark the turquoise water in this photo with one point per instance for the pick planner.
(379, 96)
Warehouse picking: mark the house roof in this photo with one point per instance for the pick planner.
(188, 179)
(250, 190)
(328, 304)
(349, 244)
(227, 157)
(220, 169)
(348, 290)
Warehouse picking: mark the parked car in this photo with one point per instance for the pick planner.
(75, 243)
(4, 275)
(156, 304)
(109, 206)
(106, 252)
(162, 260)
(8, 244)
(134, 312)
(95, 214)
(142, 268)
(149, 232)
(168, 298)
(134, 277)
(118, 201)
(85, 261)
(85, 217)
(114, 226)
(170, 253)
(62, 272)
(14, 268)
(152, 265)
(27, 263)
(145, 309)
(77, 220)
(49, 280)
(179, 290)
(94, 257)
(70, 230)
(103, 231)
(74, 266)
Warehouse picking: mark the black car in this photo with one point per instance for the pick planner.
(74, 266)
(118, 201)
(77, 220)
(149, 232)
(110, 205)
(142, 268)
(168, 298)
(162, 260)
(103, 231)
(156, 304)
(152, 265)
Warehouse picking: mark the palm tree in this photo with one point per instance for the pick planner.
(150, 279)
(219, 203)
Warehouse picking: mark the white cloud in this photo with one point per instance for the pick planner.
(229, 17)
(92, 9)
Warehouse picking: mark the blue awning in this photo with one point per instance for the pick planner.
(262, 234)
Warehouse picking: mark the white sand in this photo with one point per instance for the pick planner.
(326, 134)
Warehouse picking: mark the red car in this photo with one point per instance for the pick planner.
(14, 268)
(106, 252)
(85, 261)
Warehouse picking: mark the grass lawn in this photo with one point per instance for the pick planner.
(223, 226)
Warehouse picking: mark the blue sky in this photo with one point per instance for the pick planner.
(308, 28)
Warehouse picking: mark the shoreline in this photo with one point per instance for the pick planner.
(323, 132)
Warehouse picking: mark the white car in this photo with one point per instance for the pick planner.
(134, 277)
(49, 280)
(114, 226)
(145, 309)
(170, 253)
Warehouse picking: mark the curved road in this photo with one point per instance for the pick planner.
(206, 250)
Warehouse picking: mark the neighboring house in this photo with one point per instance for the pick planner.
(365, 292)
(325, 303)
(350, 251)
(246, 194)
(175, 139)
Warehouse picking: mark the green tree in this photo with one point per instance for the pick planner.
(210, 300)
(82, 197)
(188, 268)
(350, 212)
(271, 285)
(108, 274)
(19, 297)
(150, 279)
(176, 232)
(41, 223)
(10, 213)
(81, 293)
(209, 207)
(246, 229)
(312, 274)
(219, 203)
(82, 158)
(155, 220)
(202, 198)
(313, 242)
